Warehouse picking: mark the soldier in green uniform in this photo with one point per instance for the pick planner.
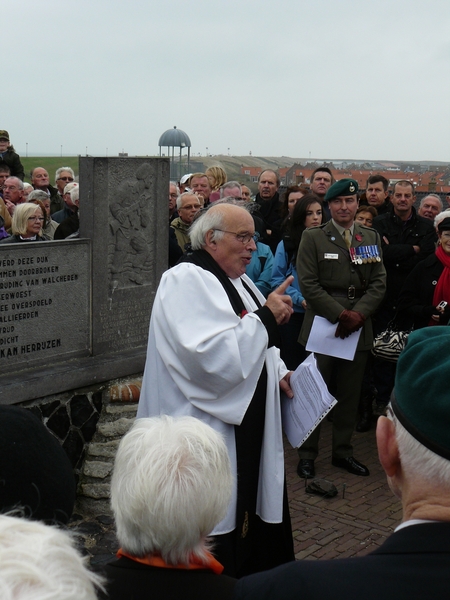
(342, 279)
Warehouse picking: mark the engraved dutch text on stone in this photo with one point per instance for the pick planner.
(44, 303)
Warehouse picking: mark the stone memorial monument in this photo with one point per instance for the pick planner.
(76, 312)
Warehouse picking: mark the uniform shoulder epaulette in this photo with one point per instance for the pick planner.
(317, 228)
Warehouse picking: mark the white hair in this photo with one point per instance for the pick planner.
(418, 462)
(176, 185)
(183, 195)
(435, 196)
(39, 562)
(445, 214)
(17, 181)
(74, 194)
(210, 220)
(28, 185)
(61, 169)
(230, 185)
(171, 485)
(213, 219)
(37, 195)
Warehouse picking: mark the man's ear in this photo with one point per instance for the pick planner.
(387, 446)
(210, 242)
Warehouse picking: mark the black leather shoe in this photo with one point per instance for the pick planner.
(305, 468)
(351, 465)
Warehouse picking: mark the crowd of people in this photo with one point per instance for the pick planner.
(55, 214)
(339, 254)
(198, 488)
(406, 236)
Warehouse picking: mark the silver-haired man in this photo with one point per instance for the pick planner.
(430, 206)
(63, 176)
(231, 189)
(13, 193)
(212, 355)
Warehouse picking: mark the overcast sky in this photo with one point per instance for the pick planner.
(321, 78)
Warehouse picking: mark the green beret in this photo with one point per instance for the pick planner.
(343, 187)
(421, 399)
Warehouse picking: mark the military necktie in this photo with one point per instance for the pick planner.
(347, 238)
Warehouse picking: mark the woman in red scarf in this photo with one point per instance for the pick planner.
(425, 297)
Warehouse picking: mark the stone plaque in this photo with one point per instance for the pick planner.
(124, 211)
(44, 303)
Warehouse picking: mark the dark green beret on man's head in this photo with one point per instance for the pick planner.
(343, 187)
(421, 399)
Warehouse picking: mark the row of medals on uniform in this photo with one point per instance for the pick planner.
(364, 254)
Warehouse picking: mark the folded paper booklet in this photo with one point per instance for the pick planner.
(311, 402)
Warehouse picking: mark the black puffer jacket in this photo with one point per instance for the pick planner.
(399, 256)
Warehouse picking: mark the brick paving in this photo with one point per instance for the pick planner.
(352, 523)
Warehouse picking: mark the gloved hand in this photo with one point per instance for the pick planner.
(349, 322)
(341, 332)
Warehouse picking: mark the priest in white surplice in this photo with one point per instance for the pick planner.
(211, 355)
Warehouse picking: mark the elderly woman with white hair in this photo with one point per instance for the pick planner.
(171, 485)
(27, 223)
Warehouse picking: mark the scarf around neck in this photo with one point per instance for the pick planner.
(154, 560)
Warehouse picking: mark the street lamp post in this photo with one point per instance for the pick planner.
(26, 153)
